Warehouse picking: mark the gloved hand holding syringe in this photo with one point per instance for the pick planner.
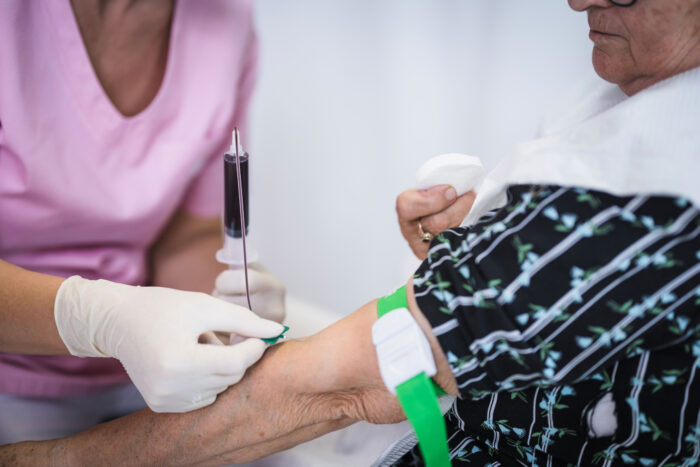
(246, 282)
(157, 333)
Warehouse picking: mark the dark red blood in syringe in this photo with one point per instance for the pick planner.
(232, 216)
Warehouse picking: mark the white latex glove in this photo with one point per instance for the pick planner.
(154, 332)
(266, 291)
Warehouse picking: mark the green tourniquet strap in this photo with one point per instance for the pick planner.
(392, 302)
(420, 404)
(273, 340)
(418, 398)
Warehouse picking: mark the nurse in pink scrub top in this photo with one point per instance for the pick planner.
(113, 120)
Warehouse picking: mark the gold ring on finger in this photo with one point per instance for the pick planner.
(424, 235)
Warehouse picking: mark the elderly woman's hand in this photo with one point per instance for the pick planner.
(436, 209)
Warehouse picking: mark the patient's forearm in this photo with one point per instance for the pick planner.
(268, 404)
(298, 391)
(290, 396)
(272, 402)
(257, 451)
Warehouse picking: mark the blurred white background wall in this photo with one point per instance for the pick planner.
(354, 95)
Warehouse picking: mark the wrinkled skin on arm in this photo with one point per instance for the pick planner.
(298, 391)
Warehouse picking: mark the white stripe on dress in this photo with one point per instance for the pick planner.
(641, 330)
(612, 265)
(696, 447)
(685, 405)
(580, 455)
(610, 268)
(522, 224)
(545, 259)
(679, 280)
(447, 326)
(559, 249)
(487, 233)
(534, 414)
(641, 371)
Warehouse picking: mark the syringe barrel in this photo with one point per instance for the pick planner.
(232, 216)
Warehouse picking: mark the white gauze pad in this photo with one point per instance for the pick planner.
(463, 172)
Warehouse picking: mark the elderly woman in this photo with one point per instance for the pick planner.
(565, 317)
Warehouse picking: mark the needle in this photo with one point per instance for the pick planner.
(243, 223)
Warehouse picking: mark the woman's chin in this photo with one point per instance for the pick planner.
(608, 66)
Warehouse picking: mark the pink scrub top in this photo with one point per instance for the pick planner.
(85, 190)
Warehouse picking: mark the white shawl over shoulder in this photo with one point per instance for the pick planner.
(648, 143)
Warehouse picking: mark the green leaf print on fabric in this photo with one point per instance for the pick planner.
(522, 249)
(593, 304)
(589, 198)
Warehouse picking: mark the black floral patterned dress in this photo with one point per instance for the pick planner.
(562, 300)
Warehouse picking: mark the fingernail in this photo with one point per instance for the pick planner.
(450, 194)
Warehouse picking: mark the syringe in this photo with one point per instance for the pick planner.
(236, 252)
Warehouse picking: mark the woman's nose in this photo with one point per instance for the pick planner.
(582, 5)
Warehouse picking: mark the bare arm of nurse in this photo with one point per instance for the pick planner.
(184, 255)
(282, 401)
(26, 312)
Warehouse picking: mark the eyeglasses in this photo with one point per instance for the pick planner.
(623, 2)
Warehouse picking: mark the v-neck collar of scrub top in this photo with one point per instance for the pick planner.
(92, 100)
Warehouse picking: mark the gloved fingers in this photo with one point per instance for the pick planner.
(229, 360)
(235, 339)
(200, 388)
(193, 405)
(204, 402)
(239, 299)
(258, 266)
(267, 306)
(218, 383)
(218, 315)
(202, 397)
(220, 389)
(450, 217)
(232, 282)
(174, 405)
